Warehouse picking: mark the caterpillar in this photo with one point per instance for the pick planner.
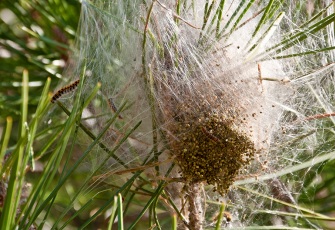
(113, 106)
(209, 135)
(64, 90)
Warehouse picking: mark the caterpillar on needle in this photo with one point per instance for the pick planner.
(113, 106)
(66, 89)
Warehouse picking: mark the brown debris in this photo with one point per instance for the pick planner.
(209, 149)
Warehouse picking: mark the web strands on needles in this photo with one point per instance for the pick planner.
(189, 89)
(195, 94)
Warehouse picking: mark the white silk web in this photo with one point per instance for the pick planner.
(230, 93)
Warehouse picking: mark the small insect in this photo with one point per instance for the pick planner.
(228, 217)
(64, 90)
(209, 135)
(113, 106)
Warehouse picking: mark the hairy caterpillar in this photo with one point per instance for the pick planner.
(64, 90)
(113, 106)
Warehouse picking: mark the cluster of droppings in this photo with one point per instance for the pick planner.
(209, 149)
